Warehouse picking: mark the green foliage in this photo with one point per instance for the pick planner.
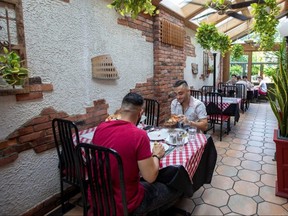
(236, 69)
(280, 92)
(265, 22)
(255, 69)
(270, 71)
(133, 7)
(10, 68)
(237, 51)
(208, 37)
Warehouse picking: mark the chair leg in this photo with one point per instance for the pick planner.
(62, 196)
(228, 126)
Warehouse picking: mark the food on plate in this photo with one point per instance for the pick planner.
(114, 116)
(172, 121)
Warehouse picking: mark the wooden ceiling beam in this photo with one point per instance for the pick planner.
(229, 25)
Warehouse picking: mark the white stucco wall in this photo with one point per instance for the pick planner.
(193, 79)
(61, 38)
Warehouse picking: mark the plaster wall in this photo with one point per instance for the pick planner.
(61, 38)
(194, 79)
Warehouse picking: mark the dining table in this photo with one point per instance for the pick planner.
(230, 106)
(198, 155)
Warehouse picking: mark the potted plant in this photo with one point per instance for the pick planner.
(278, 98)
(237, 51)
(133, 7)
(265, 22)
(11, 70)
(208, 37)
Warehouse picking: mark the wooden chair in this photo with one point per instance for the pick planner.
(66, 139)
(214, 107)
(97, 178)
(196, 94)
(151, 111)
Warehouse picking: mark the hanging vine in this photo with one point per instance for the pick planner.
(265, 22)
(133, 7)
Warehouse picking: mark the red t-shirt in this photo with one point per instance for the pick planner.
(132, 144)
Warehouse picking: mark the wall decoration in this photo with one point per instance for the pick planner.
(194, 68)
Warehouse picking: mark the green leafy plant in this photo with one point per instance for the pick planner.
(280, 92)
(133, 7)
(208, 37)
(237, 51)
(10, 68)
(265, 22)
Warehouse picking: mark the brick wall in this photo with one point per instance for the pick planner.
(189, 47)
(37, 132)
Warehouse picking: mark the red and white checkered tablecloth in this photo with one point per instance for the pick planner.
(189, 156)
(226, 101)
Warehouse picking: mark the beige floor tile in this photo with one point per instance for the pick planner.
(252, 156)
(215, 197)
(253, 149)
(222, 182)
(246, 188)
(266, 208)
(206, 210)
(242, 205)
(249, 175)
(251, 165)
(234, 153)
(269, 168)
(226, 170)
(268, 194)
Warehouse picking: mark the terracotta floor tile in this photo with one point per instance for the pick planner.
(267, 208)
(222, 182)
(251, 165)
(249, 175)
(268, 194)
(226, 170)
(246, 188)
(215, 197)
(268, 179)
(206, 210)
(242, 205)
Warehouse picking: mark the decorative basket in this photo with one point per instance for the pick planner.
(103, 68)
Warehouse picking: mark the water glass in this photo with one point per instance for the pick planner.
(180, 141)
(192, 133)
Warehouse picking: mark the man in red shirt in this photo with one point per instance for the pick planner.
(133, 145)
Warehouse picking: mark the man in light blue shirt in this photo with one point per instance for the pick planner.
(190, 110)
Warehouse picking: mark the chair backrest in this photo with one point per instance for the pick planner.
(97, 178)
(151, 111)
(241, 91)
(213, 103)
(230, 90)
(66, 138)
(196, 94)
(206, 89)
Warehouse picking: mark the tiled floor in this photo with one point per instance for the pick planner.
(244, 177)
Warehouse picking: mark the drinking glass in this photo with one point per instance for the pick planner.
(180, 141)
(192, 133)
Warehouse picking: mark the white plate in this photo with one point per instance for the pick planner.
(158, 135)
(175, 144)
(166, 147)
(88, 135)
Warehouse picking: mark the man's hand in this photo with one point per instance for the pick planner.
(158, 150)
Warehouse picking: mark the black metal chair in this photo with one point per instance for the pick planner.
(230, 91)
(196, 94)
(152, 112)
(214, 107)
(205, 89)
(66, 139)
(94, 169)
(241, 92)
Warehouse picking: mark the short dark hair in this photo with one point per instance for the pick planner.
(179, 83)
(260, 77)
(244, 76)
(134, 99)
(234, 75)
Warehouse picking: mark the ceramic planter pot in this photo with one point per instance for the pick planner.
(282, 165)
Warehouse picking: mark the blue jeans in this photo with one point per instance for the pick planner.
(158, 197)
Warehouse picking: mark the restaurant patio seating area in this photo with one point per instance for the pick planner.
(245, 173)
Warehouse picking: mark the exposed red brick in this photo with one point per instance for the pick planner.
(29, 96)
(47, 87)
(30, 137)
(8, 159)
(22, 147)
(43, 126)
(48, 111)
(44, 147)
(39, 120)
(35, 88)
(6, 143)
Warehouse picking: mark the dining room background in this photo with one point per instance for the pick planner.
(61, 39)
